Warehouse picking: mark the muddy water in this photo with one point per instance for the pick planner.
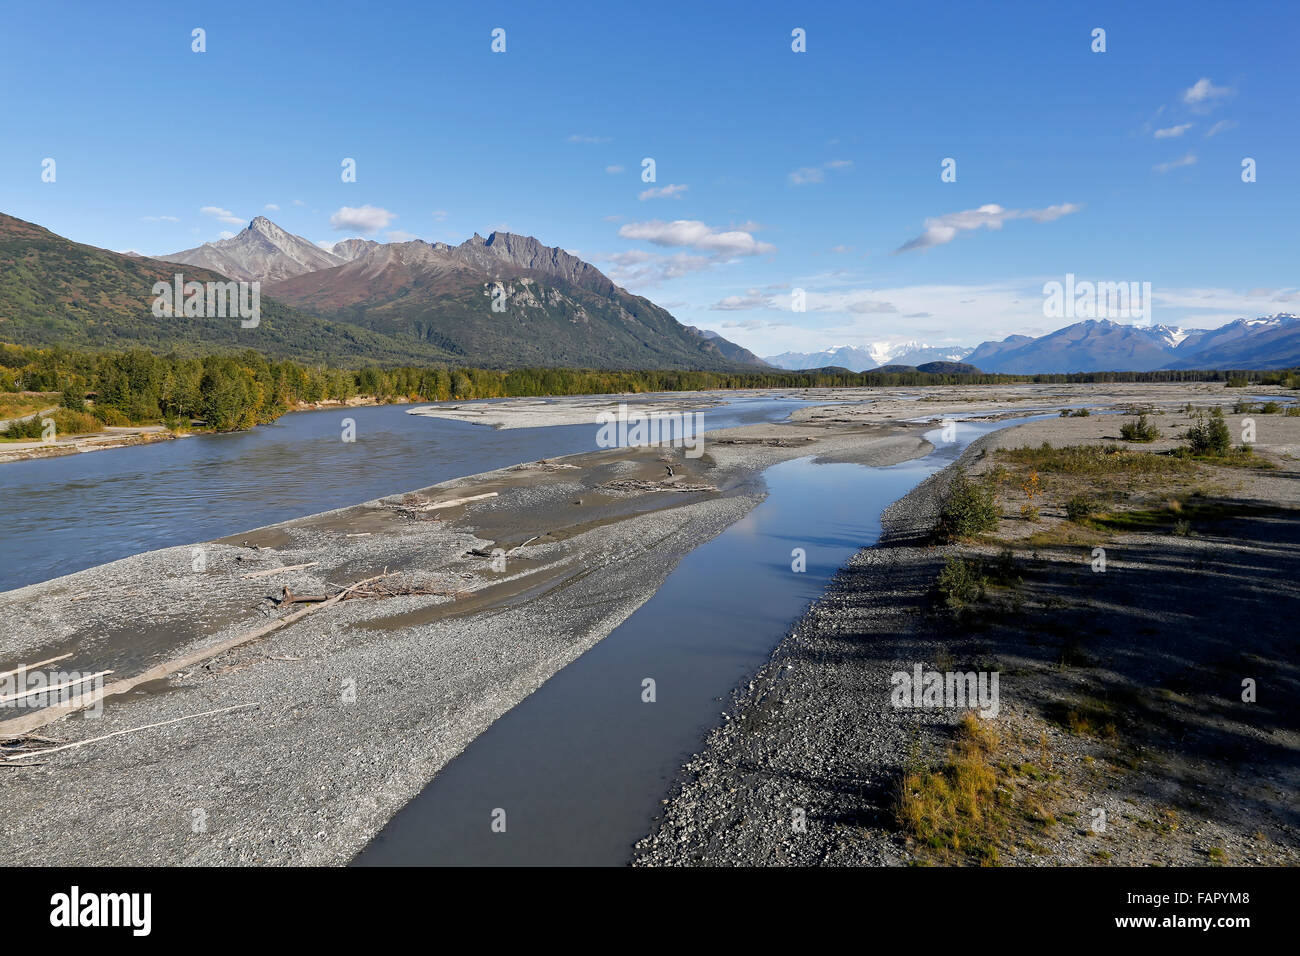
(60, 515)
(579, 766)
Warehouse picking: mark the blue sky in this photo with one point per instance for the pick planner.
(791, 170)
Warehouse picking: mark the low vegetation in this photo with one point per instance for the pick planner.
(957, 809)
(967, 509)
(1141, 429)
(1210, 435)
(964, 581)
(1079, 508)
(1094, 460)
(66, 422)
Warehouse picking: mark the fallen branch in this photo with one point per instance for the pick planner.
(21, 725)
(32, 692)
(291, 598)
(519, 547)
(449, 503)
(119, 733)
(32, 667)
(637, 484)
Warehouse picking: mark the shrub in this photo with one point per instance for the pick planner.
(967, 509)
(961, 582)
(1029, 512)
(1139, 430)
(1209, 436)
(66, 422)
(73, 399)
(1078, 508)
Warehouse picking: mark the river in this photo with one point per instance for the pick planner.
(64, 514)
(580, 765)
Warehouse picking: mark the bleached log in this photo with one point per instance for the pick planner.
(32, 667)
(118, 733)
(29, 722)
(50, 689)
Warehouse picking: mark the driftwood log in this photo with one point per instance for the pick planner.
(18, 726)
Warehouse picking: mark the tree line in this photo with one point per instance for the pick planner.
(242, 389)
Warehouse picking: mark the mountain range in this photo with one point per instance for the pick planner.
(554, 308)
(361, 300)
(1098, 345)
(875, 355)
(1094, 345)
(416, 302)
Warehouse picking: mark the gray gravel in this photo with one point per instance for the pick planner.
(812, 735)
(310, 775)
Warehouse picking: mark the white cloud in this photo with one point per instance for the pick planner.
(222, 215)
(871, 307)
(271, 207)
(439, 215)
(671, 191)
(944, 229)
(1170, 132)
(367, 219)
(299, 202)
(159, 219)
(613, 170)
(226, 234)
(752, 299)
(1222, 126)
(805, 175)
(637, 267)
(1204, 93)
(1188, 160)
(969, 314)
(581, 138)
(401, 235)
(693, 234)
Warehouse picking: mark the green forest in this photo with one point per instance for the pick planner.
(239, 390)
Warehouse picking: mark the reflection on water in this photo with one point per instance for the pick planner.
(60, 515)
(580, 765)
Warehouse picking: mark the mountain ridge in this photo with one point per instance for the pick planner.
(396, 303)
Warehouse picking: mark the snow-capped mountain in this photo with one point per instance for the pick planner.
(874, 355)
(1103, 345)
